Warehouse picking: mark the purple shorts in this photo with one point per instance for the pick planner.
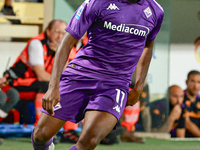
(79, 94)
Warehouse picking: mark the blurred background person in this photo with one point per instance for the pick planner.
(175, 123)
(192, 104)
(31, 72)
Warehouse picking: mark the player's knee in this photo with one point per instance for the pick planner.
(39, 136)
(88, 142)
(13, 95)
(3, 98)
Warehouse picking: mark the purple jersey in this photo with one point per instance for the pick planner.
(117, 32)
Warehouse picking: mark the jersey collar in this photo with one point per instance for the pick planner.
(139, 2)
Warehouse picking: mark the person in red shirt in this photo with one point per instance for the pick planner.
(31, 72)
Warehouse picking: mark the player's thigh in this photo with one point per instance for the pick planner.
(97, 124)
(48, 126)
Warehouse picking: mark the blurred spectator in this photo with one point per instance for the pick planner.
(8, 98)
(7, 9)
(192, 104)
(175, 123)
(31, 72)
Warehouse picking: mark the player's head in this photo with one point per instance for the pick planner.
(193, 82)
(176, 95)
(56, 30)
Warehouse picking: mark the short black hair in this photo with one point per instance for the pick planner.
(193, 72)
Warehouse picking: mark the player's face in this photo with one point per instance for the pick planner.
(176, 96)
(193, 84)
(56, 33)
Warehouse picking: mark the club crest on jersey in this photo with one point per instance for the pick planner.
(148, 12)
(58, 106)
(79, 12)
(112, 7)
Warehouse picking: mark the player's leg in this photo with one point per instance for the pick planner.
(110, 102)
(97, 125)
(46, 128)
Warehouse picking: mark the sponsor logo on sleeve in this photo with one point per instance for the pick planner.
(79, 12)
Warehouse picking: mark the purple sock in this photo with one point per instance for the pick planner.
(73, 148)
(41, 147)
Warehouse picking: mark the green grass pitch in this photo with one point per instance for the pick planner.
(150, 144)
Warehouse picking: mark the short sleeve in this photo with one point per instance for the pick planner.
(83, 18)
(35, 52)
(156, 29)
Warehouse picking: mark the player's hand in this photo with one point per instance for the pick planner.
(53, 46)
(50, 99)
(3, 81)
(133, 97)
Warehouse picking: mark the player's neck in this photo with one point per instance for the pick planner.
(133, 1)
(191, 96)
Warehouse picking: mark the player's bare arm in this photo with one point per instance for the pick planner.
(52, 96)
(141, 72)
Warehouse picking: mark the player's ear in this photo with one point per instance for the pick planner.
(48, 32)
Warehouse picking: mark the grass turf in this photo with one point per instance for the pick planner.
(150, 144)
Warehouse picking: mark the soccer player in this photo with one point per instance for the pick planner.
(95, 85)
